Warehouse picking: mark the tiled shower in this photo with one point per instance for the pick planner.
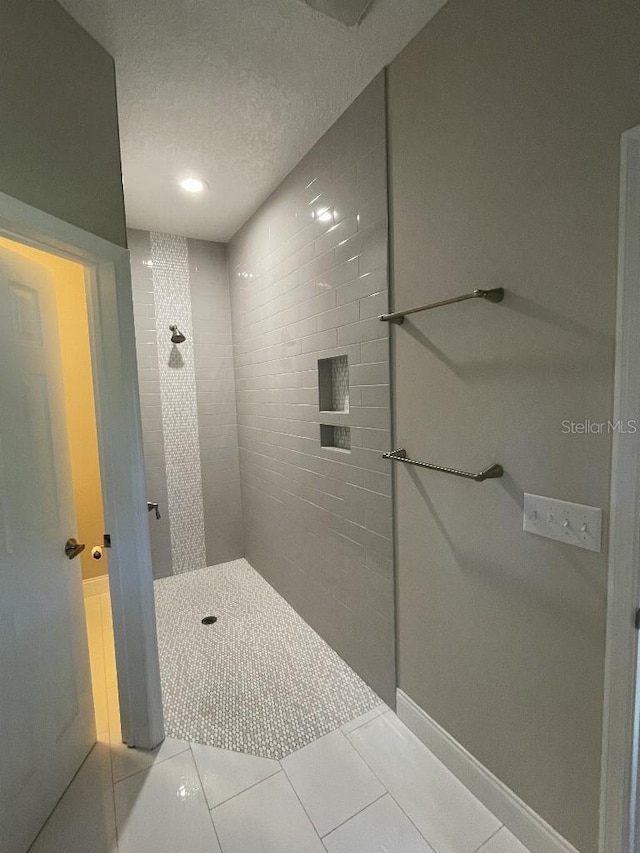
(264, 431)
(188, 404)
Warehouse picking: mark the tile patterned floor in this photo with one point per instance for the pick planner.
(260, 680)
(369, 786)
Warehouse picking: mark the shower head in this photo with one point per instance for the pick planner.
(177, 337)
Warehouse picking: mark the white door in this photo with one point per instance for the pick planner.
(46, 709)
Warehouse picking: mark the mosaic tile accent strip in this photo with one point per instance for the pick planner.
(179, 403)
(259, 680)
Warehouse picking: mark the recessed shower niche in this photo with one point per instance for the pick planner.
(333, 394)
(333, 384)
(338, 437)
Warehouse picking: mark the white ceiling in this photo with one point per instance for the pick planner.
(234, 91)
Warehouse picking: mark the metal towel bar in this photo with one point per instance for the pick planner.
(490, 473)
(494, 295)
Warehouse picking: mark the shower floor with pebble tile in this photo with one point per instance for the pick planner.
(258, 680)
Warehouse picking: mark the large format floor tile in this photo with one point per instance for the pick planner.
(446, 813)
(352, 725)
(164, 810)
(381, 828)
(367, 787)
(127, 761)
(267, 818)
(332, 781)
(84, 819)
(224, 773)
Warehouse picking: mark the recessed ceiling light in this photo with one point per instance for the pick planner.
(193, 185)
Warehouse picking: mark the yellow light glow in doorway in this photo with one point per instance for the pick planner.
(79, 400)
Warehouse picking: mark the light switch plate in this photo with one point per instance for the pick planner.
(575, 524)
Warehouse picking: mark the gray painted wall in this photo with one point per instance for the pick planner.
(308, 279)
(505, 123)
(59, 128)
(188, 401)
(216, 396)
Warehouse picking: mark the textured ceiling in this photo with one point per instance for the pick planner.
(234, 91)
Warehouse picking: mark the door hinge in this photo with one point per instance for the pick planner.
(106, 542)
(637, 619)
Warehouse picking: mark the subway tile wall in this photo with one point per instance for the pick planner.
(188, 401)
(308, 281)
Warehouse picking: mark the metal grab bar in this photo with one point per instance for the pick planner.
(490, 473)
(494, 295)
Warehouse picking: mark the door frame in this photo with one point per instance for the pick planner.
(619, 790)
(112, 335)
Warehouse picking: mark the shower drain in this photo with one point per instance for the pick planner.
(209, 620)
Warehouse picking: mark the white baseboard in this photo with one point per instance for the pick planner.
(95, 586)
(532, 830)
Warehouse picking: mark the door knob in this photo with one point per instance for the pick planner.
(152, 506)
(72, 548)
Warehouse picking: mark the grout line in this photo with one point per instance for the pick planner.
(395, 800)
(411, 821)
(204, 794)
(370, 718)
(363, 809)
(487, 840)
(153, 764)
(62, 797)
(113, 797)
(313, 826)
(244, 790)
